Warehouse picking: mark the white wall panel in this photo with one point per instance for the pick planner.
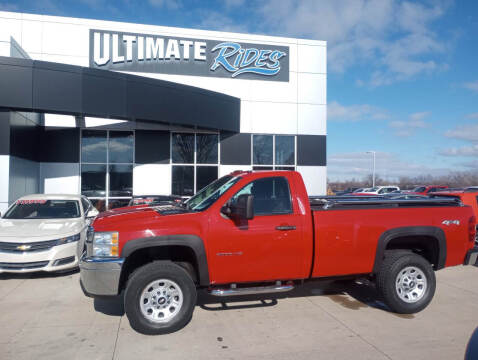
(4, 177)
(293, 57)
(312, 88)
(60, 120)
(246, 117)
(152, 179)
(3, 207)
(10, 28)
(31, 40)
(4, 48)
(65, 39)
(274, 91)
(315, 179)
(312, 59)
(60, 178)
(273, 118)
(311, 119)
(227, 169)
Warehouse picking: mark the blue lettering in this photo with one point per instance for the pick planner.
(262, 57)
(246, 60)
(236, 60)
(274, 57)
(221, 59)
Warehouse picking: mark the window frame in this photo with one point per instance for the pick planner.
(194, 164)
(107, 196)
(269, 177)
(274, 165)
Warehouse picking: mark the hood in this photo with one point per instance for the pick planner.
(39, 228)
(134, 215)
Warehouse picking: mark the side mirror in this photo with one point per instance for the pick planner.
(92, 213)
(242, 209)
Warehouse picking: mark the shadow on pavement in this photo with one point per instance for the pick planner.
(349, 294)
(38, 275)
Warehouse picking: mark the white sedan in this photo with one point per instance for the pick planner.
(44, 233)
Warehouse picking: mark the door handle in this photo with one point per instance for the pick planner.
(285, 227)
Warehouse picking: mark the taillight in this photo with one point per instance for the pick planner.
(472, 229)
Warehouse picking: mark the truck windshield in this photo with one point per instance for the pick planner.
(419, 189)
(44, 209)
(208, 195)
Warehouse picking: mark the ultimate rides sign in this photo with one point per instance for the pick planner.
(171, 55)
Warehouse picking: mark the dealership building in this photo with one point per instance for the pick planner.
(112, 109)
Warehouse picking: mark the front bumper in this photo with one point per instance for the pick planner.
(57, 258)
(100, 276)
(472, 257)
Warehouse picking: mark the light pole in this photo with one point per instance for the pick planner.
(373, 173)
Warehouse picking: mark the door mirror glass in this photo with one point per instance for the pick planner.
(242, 208)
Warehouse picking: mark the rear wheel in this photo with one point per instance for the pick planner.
(406, 282)
(159, 298)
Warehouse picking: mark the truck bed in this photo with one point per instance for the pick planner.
(347, 229)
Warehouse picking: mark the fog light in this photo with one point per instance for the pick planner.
(64, 261)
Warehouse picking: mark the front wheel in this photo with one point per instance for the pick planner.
(160, 298)
(406, 282)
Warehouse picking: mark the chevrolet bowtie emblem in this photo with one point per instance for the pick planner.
(23, 247)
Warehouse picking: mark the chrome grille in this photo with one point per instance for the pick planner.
(27, 247)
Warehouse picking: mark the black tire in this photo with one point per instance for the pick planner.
(394, 263)
(143, 276)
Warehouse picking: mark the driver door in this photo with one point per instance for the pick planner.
(267, 247)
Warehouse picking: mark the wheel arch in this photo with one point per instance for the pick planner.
(191, 245)
(406, 238)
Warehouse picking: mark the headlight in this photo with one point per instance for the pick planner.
(105, 244)
(68, 239)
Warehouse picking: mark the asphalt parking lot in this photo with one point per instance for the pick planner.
(48, 317)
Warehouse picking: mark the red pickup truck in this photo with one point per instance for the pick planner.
(258, 232)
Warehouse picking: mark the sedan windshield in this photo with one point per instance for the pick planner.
(44, 209)
(208, 195)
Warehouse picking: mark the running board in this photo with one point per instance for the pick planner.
(233, 290)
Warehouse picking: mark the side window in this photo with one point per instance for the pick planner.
(271, 196)
(86, 204)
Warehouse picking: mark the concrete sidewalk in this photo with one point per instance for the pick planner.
(48, 317)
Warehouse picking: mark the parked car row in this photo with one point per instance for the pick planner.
(48, 232)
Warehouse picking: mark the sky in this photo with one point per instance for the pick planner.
(402, 75)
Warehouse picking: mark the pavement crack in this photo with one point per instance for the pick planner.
(116, 340)
(351, 330)
(459, 288)
(12, 290)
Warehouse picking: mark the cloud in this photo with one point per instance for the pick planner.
(214, 20)
(353, 113)
(167, 4)
(467, 150)
(473, 116)
(473, 86)
(464, 132)
(389, 166)
(396, 37)
(409, 127)
(233, 3)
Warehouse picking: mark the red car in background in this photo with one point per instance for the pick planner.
(467, 197)
(424, 190)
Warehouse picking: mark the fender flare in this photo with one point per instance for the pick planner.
(195, 243)
(391, 234)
